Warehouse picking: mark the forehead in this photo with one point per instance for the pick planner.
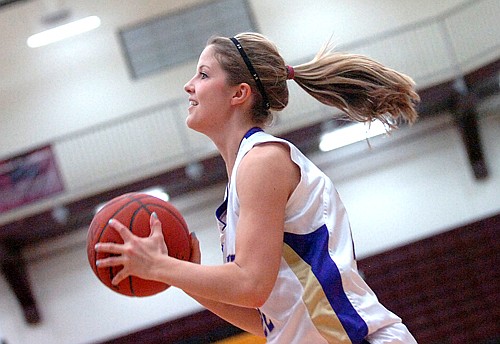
(207, 57)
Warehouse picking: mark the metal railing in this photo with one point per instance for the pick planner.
(154, 140)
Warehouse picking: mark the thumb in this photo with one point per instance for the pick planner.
(195, 249)
(155, 224)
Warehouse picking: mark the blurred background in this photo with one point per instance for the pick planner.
(89, 117)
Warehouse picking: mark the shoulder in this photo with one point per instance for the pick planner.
(268, 166)
(267, 155)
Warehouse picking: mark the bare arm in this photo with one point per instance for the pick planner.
(266, 178)
(247, 319)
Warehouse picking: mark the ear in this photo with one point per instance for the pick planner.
(242, 94)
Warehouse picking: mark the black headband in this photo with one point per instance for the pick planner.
(253, 72)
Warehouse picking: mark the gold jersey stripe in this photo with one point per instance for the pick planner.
(321, 312)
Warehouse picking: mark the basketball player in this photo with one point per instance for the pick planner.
(290, 272)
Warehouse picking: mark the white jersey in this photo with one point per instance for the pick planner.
(319, 297)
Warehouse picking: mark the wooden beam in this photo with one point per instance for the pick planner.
(466, 118)
(201, 327)
(14, 270)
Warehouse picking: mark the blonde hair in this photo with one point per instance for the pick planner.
(362, 88)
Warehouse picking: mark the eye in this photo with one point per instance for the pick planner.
(203, 75)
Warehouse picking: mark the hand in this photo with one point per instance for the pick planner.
(195, 249)
(138, 256)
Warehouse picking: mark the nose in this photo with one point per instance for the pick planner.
(188, 87)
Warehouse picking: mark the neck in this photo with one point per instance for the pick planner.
(228, 142)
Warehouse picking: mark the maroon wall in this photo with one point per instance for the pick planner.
(446, 288)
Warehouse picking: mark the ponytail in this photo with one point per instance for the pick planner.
(362, 88)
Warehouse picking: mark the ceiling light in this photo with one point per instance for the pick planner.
(60, 214)
(350, 134)
(195, 170)
(64, 31)
(157, 192)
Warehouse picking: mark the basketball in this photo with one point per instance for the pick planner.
(134, 211)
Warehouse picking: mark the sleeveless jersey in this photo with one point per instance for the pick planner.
(319, 297)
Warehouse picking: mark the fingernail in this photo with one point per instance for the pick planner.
(155, 215)
(110, 222)
(96, 246)
(97, 262)
(193, 234)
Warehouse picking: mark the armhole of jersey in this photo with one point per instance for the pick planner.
(290, 153)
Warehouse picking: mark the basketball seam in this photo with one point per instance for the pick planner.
(110, 269)
(142, 205)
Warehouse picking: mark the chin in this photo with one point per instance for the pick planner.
(192, 124)
(189, 122)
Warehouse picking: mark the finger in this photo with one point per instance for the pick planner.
(110, 262)
(195, 249)
(120, 276)
(155, 224)
(122, 230)
(109, 247)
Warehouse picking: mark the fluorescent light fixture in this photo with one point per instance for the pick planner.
(64, 31)
(350, 134)
(155, 192)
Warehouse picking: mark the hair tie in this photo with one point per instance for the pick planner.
(252, 71)
(290, 72)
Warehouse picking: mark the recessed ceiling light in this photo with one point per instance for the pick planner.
(63, 31)
(350, 134)
(157, 192)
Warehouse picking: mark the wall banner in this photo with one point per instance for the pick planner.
(28, 178)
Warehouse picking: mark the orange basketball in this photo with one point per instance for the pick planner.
(134, 211)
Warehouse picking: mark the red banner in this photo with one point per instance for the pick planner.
(27, 178)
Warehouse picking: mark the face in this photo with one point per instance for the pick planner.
(209, 94)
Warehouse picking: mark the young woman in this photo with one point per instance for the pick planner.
(290, 272)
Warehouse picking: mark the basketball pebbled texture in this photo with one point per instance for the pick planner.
(134, 211)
